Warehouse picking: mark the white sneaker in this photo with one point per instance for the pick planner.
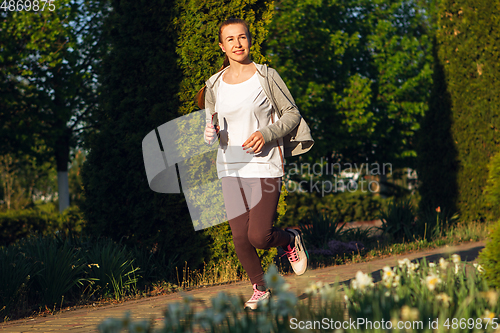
(298, 254)
(257, 297)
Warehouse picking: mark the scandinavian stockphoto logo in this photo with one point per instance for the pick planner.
(177, 150)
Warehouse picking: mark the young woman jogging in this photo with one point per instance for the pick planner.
(257, 120)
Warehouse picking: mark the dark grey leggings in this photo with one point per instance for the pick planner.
(251, 206)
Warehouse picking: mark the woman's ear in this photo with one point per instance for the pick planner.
(222, 47)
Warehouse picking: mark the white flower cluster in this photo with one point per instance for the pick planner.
(180, 316)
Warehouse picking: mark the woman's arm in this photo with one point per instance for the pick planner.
(288, 112)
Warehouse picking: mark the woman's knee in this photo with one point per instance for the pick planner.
(260, 240)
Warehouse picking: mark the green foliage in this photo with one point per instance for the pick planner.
(15, 278)
(19, 224)
(466, 41)
(493, 186)
(398, 220)
(111, 267)
(426, 299)
(49, 71)
(16, 225)
(198, 27)
(139, 92)
(221, 249)
(490, 257)
(437, 163)
(363, 64)
(344, 207)
(58, 265)
(321, 229)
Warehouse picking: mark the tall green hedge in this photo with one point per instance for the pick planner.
(161, 53)
(139, 87)
(467, 42)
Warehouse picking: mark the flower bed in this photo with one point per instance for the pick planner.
(448, 296)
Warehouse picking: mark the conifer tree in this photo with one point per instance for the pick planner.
(162, 52)
(467, 48)
(139, 92)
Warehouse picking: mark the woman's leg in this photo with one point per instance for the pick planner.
(237, 211)
(252, 227)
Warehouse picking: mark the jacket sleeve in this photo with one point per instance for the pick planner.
(209, 108)
(288, 113)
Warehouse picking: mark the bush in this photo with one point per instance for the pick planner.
(489, 257)
(466, 31)
(493, 186)
(398, 220)
(15, 225)
(18, 224)
(344, 207)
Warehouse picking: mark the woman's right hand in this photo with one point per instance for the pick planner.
(210, 132)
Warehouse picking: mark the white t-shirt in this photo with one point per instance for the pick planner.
(242, 109)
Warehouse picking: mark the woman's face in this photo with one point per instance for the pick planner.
(236, 42)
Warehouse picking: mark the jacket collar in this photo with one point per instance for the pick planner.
(261, 69)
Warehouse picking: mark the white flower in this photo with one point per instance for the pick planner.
(396, 281)
(443, 263)
(444, 298)
(457, 268)
(388, 276)
(404, 262)
(432, 281)
(432, 265)
(274, 280)
(314, 288)
(414, 266)
(362, 281)
(456, 258)
(479, 268)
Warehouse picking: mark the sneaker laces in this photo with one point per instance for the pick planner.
(256, 293)
(292, 254)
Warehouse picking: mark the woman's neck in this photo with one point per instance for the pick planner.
(238, 72)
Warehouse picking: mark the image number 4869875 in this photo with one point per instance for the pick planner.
(27, 5)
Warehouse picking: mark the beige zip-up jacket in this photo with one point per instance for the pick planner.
(290, 126)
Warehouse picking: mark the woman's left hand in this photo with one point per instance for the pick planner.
(255, 142)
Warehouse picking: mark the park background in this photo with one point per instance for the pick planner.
(413, 84)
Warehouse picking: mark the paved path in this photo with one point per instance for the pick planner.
(87, 319)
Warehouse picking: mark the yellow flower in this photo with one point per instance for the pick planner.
(488, 315)
(432, 281)
(408, 313)
(444, 298)
(479, 268)
(491, 296)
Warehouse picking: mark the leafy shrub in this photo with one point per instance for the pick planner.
(489, 257)
(56, 265)
(433, 221)
(15, 225)
(493, 186)
(15, 273)
(321, 229)
(398, 220)
(345, 207)
(221, 249)
(110, 267)
(18, 224)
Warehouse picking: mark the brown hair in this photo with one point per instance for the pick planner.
(200, 96)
